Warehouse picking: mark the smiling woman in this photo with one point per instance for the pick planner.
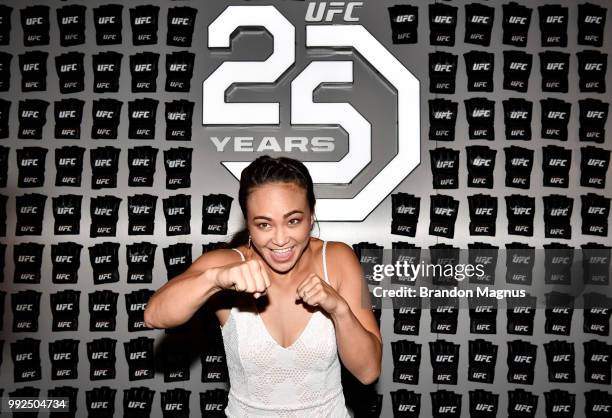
(288, 316)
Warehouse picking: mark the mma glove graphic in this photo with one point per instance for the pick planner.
(519, 163)
(71, 22)
(141, 165)
(101, 356)
(556, 164)
(404, 23)
(592, 68)
(591, 24)
(33, 67)
(65, 392)
(445, 168)
(369, 255)
(515, 24)
(595, 211)
(67, 214)
(480, 114)
(177, 258)
(141, 214)
(444, 255)
(108, 23)
(555, 118)
(598, 404)
(25, 354)
(140, 261)
(5, 24)
(69, 165)
(444, 313)
(479, 68)
(215, 213)
(560, 358)
(442, 72)
(106, 115)
(177, 211)
(32, 118)
(517, 119)
(404, 253)
(175, 364)
(483, 315)
(520, 315)
(444, 361)
(104, 167)
(553, 25)
(144, 70)
(35, 24)
(106, 70)
(481, 164)
(517, 69)
(65, 310)
(64, 357)
(104, 211)
(483, 404)
(26, 310)
(560, 403)
(177, 162)
(179, 70)
(521, 362)
(142, 115)
(175, 403)
(213, 402)
(520, 211)
(406, 361)
(596, 263)
(406, 316)
(68, 117)
(597, 362)
(557, 216)
(179, 114)
(597, 311)
(137, 402)
(405, 214)
(104, 259)
(522, 404)
(5, 109)
(31, 166)
(594, 163)
(445, 404)
(478, 24)
(181, 22)
(443, 215)
(482, 360)
(139, 356)
(135, 304)
(442, 24)
(593, 117)
(30, 210)
(442, 119)
(554, 68)
(27, 257)
(102, 310)
(405, 403)
(5, 71)
(486, 256)
(558, 260)
(144, 22)
(100, 402)
(214, 366)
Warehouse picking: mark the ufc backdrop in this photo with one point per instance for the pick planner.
(449, 124)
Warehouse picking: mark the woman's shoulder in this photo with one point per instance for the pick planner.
(217, 258)
(339, 251)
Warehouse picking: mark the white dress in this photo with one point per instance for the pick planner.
(268, 380)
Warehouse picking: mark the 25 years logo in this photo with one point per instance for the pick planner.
(304, 111)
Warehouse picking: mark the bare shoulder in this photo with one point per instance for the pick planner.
(342, 262)
(216, 258)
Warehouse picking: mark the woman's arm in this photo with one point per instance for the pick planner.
(357, 333)
(178, 300)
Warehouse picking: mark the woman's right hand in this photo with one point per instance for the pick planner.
(246, 276)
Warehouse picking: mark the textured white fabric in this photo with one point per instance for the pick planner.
(268, 380)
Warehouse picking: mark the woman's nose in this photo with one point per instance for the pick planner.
(280, 237)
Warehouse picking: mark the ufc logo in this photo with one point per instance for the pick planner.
(484, 66)
(554, 19)
(447, 409)
(141, 114)
(24, 357)
(593, 114)
(138, 355)
(30, 114)
(561, 408)
(142, 20)
(593, 66)
(556, 162)
(106, 20)
(99, 405)
(552, 66)
(481, 113)
(214, 359)
(103, 163)
(136, 405)
(483, 358)
(318, 13)
(138, 306)
(443, 115)
(64, 307)
(447, 68)
(522, 359)
(105, 67)
(65, 114)
(559, 212)
(517, 20)
(31, 67)
(99, 355)
(447, 20)
(519, 66)
(70, 20)
(183, 21)
(405, 210)
(174, 116)
(593, 210)
(62, 356)
(31, 21)
(445, 164)
(104, 114)
(597, 358)
(176, 211)
(24, 308)
(593, 19)
(143, 67)
(213, 407)
(443, 211)
(178, 67)
(215, 209)
(177, 260)
(562, 358)
(408, 358)
(176, 163)
(443, 358)
(523, 408)
(173, 407)
(99, 307)
(63, 259)
(517, 114)
(140, 162)
(521, 211)
(101, 259)
(139, 258)
(29, 163)
(480, 19)
(481, 162)
(65, 211)
(405, 19)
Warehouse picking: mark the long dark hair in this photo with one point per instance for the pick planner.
(266, 169)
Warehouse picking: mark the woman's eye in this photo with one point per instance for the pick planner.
(294, 221)
(263, 225)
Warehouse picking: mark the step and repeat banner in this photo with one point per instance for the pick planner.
(459, 146)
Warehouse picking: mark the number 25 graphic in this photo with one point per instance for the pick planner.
(215, 111)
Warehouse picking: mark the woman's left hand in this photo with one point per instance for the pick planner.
(315, 291)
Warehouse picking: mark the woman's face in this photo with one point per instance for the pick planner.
(279, 221)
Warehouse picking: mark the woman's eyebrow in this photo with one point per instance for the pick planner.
(284, 216)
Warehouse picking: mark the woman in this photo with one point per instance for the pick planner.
(289, 304)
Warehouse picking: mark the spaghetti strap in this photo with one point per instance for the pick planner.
(239, 252)
(325, 262)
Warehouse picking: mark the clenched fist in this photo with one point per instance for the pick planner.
(248, 276)
(315, 291)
